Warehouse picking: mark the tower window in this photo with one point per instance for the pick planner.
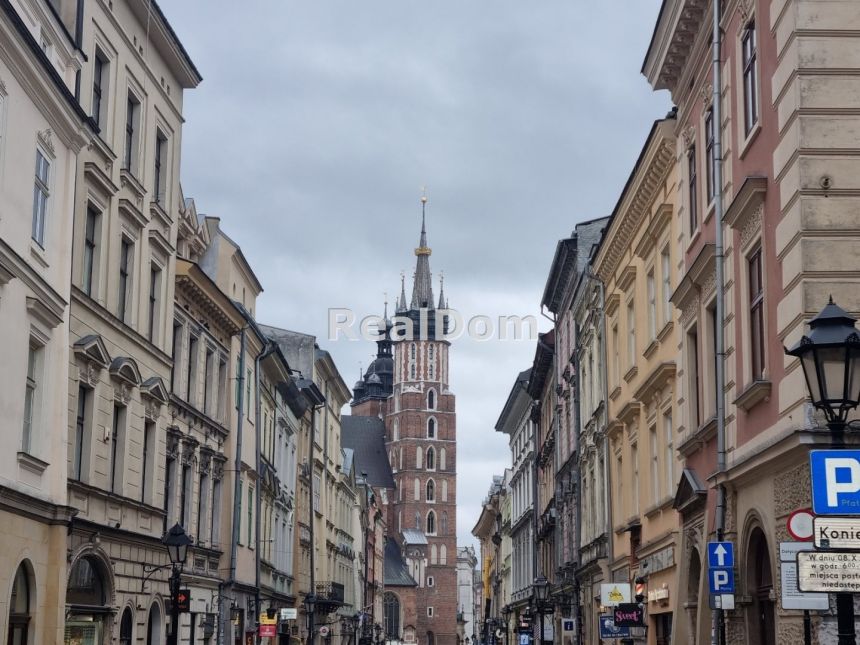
(431, 459)
(431, 400)
(431, 428)
(431, 523)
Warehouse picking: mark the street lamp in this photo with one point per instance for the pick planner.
(310, 606)
(830, 358)
(506, 612)
(177, 542)
(377, 630)
(541, 590)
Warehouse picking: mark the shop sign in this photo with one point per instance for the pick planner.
(828, 571)
(289, 613)
(629, 614)
(614, 593)
(608, 628)
(658, 594)
(268, 631)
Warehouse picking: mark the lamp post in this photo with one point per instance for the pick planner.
(830, 358)
(506, 613)
(377, 630)
(310, 607)
(177, 542)
(541, 588)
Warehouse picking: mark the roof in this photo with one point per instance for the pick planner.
(520, 388)
(395, 572)
(365, 436)
(542, 364)
(414, 536)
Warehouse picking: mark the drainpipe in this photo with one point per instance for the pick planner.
(577, 478)
(718, 631)
(237, 476)
(268, 349)
(607, 491)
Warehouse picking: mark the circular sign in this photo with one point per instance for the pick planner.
(324, 630)
(800, 524)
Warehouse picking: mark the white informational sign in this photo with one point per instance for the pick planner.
(792, 598)
(614, 593)
(788, 550)
(289, 613)
(836, 532)
(828, 571)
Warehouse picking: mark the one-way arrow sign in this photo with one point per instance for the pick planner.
(721, 554)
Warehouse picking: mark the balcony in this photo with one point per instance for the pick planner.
(329, 596)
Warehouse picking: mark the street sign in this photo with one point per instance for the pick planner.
(837, 532)
(289, 613)
(567, 625)
(265, 620)
(268, 631)
(721, 554)
(608, 628)
(614, 593)
(799, 524)
(792, 597)
(828, 571)
(721, 581)
(721, 601)
(835, 478)
(183, 600)
(629, 614)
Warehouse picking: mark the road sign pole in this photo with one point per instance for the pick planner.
(845, 619)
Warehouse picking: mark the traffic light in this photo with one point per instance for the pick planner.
(183, 600)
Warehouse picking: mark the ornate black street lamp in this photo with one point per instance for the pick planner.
(177, 542)
(377, 630)
(506, 613)
(310, 607)
(830, 358)
(541, 591)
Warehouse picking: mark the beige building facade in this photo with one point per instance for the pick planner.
(42, 131)
(636, 262)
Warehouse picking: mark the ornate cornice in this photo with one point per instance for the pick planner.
(676, 31)
(636, 201)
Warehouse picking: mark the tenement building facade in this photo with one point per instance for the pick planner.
(407, 386)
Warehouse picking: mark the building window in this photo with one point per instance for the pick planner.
(126, 256)
(431, 428)
(222, 387)
(148, 458)
(81, 434)
(177, 348)
(693, 353)
(756, 315)
(100, 69)
(154, 292)
(90, 249)
(391, 612)
(655, 464)
(710, 179)
(443, 527)
(250, 516)
(670, 451)
(430, 581)
(31, 386)
(215, 523)
(412, 371)
(691, 189)
(652, 306)
(419, 457)
(132, 119)
(412, 351)
(442, 463)
(191, 372)
(634, 459)
(431, 459)
(429, 615)
(431, 523)
(444, 491)
(431, 400)
(750, 54)
(431, 491)
(208, 369)
(160, 187)
(666, 270)
(125, 627)
(19, 607)
(202, 503)
(631, 334)
(417, 491)
(41, 193)
(169, 482)
(116, 453)
(616, 361)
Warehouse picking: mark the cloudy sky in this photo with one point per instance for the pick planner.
(318, 122)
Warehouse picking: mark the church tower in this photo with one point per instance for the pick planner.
(408, 389)
(421, 433)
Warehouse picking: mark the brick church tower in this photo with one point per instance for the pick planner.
(407, 386)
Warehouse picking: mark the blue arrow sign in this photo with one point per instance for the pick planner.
(721, 554)
(721, 580)
(835, 481)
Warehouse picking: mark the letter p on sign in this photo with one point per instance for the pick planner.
(835, 481)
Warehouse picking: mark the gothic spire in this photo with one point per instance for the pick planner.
(422, 289)
(442, 303)
(401, 301)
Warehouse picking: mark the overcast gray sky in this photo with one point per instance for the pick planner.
(318, 122)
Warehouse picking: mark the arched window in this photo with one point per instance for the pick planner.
(400, 460)
(431, 523)
(431, 428)
(412, 351)
(412, 371)
(125, 627)
(419, 457)
(417, 521)
(417, 493)
(19, 607)
(443, 554)
(431, 458)
(391, 611)
(431, 491)
(443, 523)
(431, 400)
(86, 586)
(434, 556)
(395, 430)
(444, 490)
(442, 460)
(430, 352)
(153, 626)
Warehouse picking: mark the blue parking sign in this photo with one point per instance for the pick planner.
(721, 580)
(835, 478)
